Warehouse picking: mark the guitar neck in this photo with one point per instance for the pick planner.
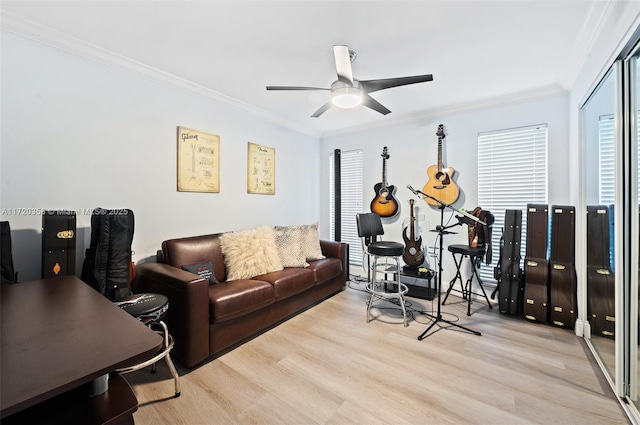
(412, 234)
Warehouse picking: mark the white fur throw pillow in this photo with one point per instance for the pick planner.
(250, 253)
(289, 243)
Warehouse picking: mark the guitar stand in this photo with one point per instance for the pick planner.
(442, 230)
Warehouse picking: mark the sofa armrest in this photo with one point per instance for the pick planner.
(188, 315)
(337, 250)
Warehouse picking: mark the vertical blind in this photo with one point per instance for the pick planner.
(351, 167)
(512, 172)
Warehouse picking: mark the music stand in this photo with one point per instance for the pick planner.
(442, 230)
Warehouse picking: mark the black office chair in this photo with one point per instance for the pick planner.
(479, 248)
(370, 230)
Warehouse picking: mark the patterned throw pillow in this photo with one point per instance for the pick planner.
(289, 243)
(203, 269)
(250, 253)
(311, 242)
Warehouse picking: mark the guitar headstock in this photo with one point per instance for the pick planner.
(384, 154)
(440, 132)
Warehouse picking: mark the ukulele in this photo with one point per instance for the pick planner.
(384, 204)
(412, 255)
(440, 184)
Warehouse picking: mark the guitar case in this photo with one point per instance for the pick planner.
(562, 271)
(600, 278)
(107, 262)
(536, 265)
(58, 243)
(510, 282)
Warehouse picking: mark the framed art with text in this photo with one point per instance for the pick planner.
(261, 169)
(198, 161)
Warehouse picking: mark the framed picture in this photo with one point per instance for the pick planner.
(261, 169)
(198, 161)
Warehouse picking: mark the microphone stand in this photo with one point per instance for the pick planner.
(442, 230)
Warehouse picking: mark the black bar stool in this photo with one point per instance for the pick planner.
(150, 309)
(475, 256)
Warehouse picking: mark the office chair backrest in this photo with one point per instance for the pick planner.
(369, 226)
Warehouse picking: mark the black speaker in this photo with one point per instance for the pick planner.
(58, 243)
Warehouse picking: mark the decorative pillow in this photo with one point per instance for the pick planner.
(203, 269)
(289, 243)
(311, 242)
(250, 253)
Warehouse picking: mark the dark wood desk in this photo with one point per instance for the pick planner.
(57, 334)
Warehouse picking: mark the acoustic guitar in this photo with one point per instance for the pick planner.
(413, 255)
(441, 185)
(384, 204)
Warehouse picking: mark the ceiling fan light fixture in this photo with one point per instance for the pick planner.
(346, 97)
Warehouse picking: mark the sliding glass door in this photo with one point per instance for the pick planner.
(610, 135)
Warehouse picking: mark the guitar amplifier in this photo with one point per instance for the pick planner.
(58, 243)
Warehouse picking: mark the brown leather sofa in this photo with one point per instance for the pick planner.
(206, 319)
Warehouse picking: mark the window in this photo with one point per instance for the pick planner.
(512, 172)
(351, 166)
(606, 165)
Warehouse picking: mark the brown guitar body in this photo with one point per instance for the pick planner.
(412, 255)
(384, 204)
(441, 186)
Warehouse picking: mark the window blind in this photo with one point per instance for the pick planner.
(351, 175)
(512, 172)
(607, 160)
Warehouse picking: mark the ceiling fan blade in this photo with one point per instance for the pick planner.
(370, 86)
(322, 110)
(370, 102)
(295, 88)
(343, 64)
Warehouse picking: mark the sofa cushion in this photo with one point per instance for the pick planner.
(289, 243)
(250, 253)
(325, 269)
(311, 242)
(203, 269)
(236, 298)
(289, 281)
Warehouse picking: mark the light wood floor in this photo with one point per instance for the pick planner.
(327, 366)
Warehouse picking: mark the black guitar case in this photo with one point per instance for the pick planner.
(562, 272)
(600, 278)
(510, 282)
(58, 243)
(536, 265)
(107, 262)
(7, 271)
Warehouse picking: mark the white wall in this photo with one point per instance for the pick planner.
(77, 134)
(413, 147)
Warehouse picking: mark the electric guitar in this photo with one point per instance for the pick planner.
(413, 255)
(384, 204)
(440, 184)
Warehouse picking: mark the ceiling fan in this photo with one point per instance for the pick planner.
(347, 92)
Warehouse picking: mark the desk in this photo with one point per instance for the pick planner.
(57, 334)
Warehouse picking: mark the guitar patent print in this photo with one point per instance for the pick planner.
(413, 255)
(384, 204)
(441, 185)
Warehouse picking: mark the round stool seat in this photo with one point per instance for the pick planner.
(145, 307)
(467, 250)
(386, 248)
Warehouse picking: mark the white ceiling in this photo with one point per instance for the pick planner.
(479, 52)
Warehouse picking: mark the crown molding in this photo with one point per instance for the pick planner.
(45, 35)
